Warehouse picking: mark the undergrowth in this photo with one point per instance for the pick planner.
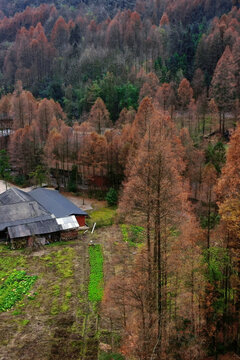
(132, 234)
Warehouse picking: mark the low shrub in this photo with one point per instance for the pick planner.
(112, 197)
(20, 180)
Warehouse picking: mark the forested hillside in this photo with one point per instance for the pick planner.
(138, 101)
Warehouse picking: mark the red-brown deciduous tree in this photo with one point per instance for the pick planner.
(23, 107)
(185, 93)
(25, 149)
(164, 20)
(60, 34)
(165, 97)
(99, 116)
(223, 85)
(154, 191)
(126, 116)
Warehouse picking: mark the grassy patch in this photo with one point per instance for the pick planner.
(132, 234)
(65, 305)
(55, 307)
(56, 290)
(24, 322)
(102, 217)
(95, 287)
(61, 292)
(64, 262)
(8, 263)
(61, 243)
(13, 289)
(4, 248)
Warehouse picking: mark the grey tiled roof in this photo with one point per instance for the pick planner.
(21, 212)
(35, 228)
(14, 196)
(34, 213)
(4, 225)
(55, 203)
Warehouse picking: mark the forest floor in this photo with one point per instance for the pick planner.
(55, 319)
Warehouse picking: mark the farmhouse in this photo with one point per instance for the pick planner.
(41, 215)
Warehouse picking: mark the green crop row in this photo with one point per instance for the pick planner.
(95, 287)
(13, 289)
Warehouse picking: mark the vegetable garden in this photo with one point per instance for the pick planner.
(14, 288)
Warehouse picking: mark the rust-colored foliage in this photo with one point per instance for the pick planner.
(60, 33)
(164, 20)
(185, 93)
(99, 116)
(223, 86)
(30, 57)
(229, 183)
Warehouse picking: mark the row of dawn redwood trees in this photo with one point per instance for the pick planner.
(41, 135)
(180, 299)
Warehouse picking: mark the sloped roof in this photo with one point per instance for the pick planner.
(55, 203)
(68, 223)
(22, 212)
(35, 213)
(42, 227)
(14, 196)
(19, 211)
(34, 228)
(4, 225)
